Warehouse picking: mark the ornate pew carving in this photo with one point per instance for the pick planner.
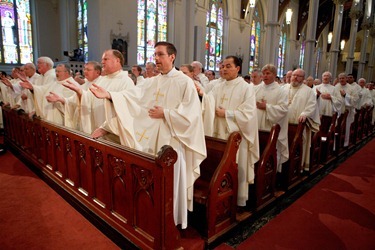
(291, 170)
(262, 192)
(327, 128)
(215, 191)
(131, 191)
(340, 133)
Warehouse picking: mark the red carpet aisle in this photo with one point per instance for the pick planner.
(338, 213)
(33, 216)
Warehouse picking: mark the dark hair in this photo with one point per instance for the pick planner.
(139, 69)
(66, 66)
(188, 66)
(119, 55)
(213, 72)
(171, 49)
(236, 60)
(96, 65)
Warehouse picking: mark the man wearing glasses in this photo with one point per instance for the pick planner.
(165, 110)
(303, 108)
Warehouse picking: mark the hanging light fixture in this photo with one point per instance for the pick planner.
(342, 44)
(330, 35)
(288, 16)
(252, 3)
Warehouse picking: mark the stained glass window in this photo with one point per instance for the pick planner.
(281, 52)
(214, 35)
(15, 38)
(152, 28)
(82, 28)
(254, 42)
(302, 54)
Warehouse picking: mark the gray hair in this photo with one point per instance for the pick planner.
(47, 61)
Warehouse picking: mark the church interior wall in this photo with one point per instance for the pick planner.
(186, 27)
(47, 20)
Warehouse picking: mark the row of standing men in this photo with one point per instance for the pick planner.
(178, 108)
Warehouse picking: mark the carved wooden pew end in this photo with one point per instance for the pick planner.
(292, 169)
(215, 191)
(262, 192)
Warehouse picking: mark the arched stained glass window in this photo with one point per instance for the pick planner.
(82, 28)
(254, 42)
(281, 52)
(152, 28)
(214, 35)
(302, 54)
(16, 37)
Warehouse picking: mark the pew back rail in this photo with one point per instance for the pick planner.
(131, 191)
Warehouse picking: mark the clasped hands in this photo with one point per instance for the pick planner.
(262, 104)
(326, 96)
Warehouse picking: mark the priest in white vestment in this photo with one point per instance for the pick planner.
(351, 81)
(214, 82)
(164, 111)
(27, 98)
(272, 108)
(52, 111)
(303, 108)
(350, 99)
(328, 97)
(72, 117)
(197, 67)
(229, 107)
(91, 109)
(366, 98)
(47, 76)
(256, 78)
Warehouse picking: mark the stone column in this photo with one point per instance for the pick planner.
(355, 14)
(362, 59)
(371, 61)
(335, 50)
(271, 37)
(310, 42)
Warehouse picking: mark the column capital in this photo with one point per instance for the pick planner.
(338, 2)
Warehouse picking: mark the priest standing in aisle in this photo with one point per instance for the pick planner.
(165, 110)
(229, 107)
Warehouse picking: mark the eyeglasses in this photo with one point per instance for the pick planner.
(297, 76)
(159, 54)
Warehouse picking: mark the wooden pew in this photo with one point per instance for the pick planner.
(315, 151)
(356, 127)
(215, 191)
(367, 121)
(292, 170)
(262, 192)
(130, 191)
(327, 128)
(340, 133)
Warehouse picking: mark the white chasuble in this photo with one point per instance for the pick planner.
(302, 101)
(237, 97)
(276, 113)
(350, 102)
(53, 112)
(328, 107)
(182, 128)
(91, 109)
